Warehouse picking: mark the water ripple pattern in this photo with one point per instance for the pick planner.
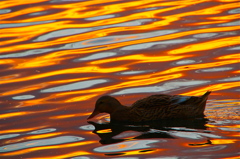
(58, 56)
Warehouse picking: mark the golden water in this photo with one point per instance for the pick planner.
(58, 56)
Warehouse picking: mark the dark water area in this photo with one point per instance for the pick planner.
(57, 57)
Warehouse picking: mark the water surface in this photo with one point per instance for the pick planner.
(58, 56)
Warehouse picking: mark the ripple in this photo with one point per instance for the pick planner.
(82, 157)
(186, 61)
(162, 43)
(42, 131)
(208, 149)
(215, 69)
(231, 79)
(24, 24)
(193, 135)
(128, 145)
(101, 17)
(205, 35)
(3, 11)
(23, 97)
(135, 72)
(96, 56)
(234, 11)
(61, 33)
(117, 39)
(8, 136)
(165, 87)
(87, 127)
(235, 48)
(42, 142)
(75, 86)
(27, 53)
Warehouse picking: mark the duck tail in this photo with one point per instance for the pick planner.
(203, 99)
(205, 96)
(202, 102)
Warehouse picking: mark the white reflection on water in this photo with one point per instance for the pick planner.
(8, 136)
(165, 87)
(42, 142)
(162, 43)
(87, 127)
(101, 17)
(127, 145)
(75, 86)
(42, 131)
(193, 135)
(215, 69)
(23, 97)
(96, 56)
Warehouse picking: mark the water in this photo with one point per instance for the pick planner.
(57, 57)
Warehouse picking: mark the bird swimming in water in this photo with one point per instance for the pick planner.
(154, 107)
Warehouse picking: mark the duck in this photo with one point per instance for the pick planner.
(152, 108)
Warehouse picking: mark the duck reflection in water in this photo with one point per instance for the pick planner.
(114, 132)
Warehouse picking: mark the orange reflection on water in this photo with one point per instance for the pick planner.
(21, 130)
(104, 131)
(213, 87)
(43, 135)
(140, 82)
(223, 141)
(86, 69)
(81, 98)
(8, 4)
(69, 115)
(28, 150)
(42, 85)
(8, 115)
(138, 152)
(72, 154)
(209, 45)
(230, 56)
(141, 58)
(32, 137)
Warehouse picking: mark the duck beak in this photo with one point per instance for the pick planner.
(94, 113)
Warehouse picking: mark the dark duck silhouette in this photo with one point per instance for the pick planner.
(154, 107)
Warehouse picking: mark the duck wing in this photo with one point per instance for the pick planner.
(163, 100)
(159, 100)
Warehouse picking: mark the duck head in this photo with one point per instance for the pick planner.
(105, 104)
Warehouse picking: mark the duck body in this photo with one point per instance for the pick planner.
(152, 108)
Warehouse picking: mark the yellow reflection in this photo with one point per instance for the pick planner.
(8, 115)
(6, 61)
(42, 85)
(8, 4)
(137, 152)
(28, 150)
(43, 135)
(104, 131)
(86, 69)
(214, 87)
(21, 130)
(72, 154)
(188, 67)
(69, 115)
(81, 98)
(139, 82)
(213, 44)
(226, 17)
(141, 58)
(32, 137)
(223, 141)
(230, 56)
